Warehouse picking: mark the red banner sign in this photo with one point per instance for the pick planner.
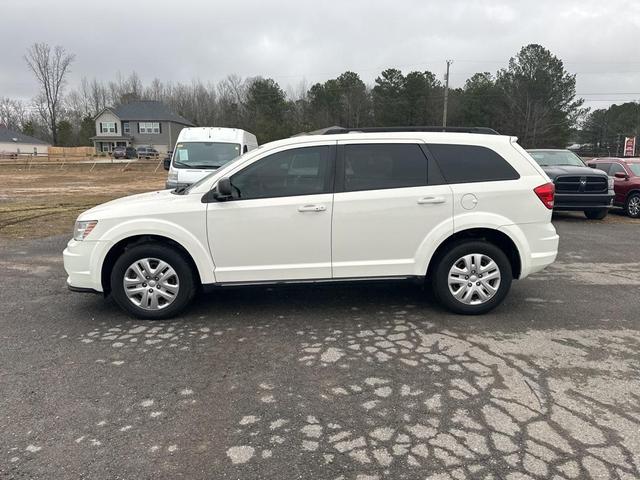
(629, 146)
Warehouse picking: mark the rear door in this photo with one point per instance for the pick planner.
(386, 203)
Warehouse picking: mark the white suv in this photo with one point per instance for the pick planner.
(468, 210)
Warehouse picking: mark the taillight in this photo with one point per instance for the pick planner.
(545, 193)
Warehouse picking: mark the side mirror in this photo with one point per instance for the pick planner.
(592, 165)
(621, 175)
(167, 163)
(223, 190)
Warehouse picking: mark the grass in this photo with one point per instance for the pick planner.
(43, 201)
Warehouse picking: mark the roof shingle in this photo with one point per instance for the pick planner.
(7, 136)
(149, 110)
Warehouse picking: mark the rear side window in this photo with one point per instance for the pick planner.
(382, 166)
(471, 163)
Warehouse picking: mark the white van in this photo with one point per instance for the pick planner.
(200, 150)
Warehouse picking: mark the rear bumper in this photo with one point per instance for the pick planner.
(581, 201)
(537, 244)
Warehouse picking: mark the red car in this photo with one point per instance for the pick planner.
(626, 174)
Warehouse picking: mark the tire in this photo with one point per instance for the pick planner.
(171, 295)
(632, 207)
(596, 214)
(472, 249)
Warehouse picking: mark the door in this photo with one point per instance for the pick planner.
(619, 184)
(277, 226)
(384, 208)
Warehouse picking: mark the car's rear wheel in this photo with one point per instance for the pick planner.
(633, 205)
(472, 278)
(152, 281)
(596, 213)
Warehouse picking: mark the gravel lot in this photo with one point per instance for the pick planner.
(349, 382)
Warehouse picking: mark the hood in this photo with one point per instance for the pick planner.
(556, 171)
(133, 203)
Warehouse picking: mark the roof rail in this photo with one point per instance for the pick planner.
(480, 130)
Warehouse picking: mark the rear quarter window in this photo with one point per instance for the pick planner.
(471, 163)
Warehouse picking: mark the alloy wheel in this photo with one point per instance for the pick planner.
(634, 206)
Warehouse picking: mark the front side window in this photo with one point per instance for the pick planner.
(149, 127)
(204, 154)
(383, 166)
(108, 127)
(616, 168)
(471, 163)
(603, 166)
(299, 171)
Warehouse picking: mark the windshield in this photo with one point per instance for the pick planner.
(553, 158)
(204, 154)
(227, 166)
(635, 168)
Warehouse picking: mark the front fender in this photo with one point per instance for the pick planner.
(160, 228)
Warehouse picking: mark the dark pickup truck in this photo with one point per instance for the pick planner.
(578, 187)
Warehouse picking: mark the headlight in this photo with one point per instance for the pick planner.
(610, 183)
(173, 177)
(82, 229)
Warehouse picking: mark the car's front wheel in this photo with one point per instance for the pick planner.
(633, 205)
(596, 213)
(472, 278)
(152, 281)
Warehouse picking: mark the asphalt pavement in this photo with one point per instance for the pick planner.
(360, 382)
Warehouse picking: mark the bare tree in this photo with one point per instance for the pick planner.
(50, 68)
(12, 113)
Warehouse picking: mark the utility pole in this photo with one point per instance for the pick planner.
(446, 94)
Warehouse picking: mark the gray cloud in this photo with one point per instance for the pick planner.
(294, 40)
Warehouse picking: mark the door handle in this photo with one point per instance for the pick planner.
(431, 200)
(312, 208)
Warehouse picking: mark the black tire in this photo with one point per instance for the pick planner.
(631, 211)
(440, 276)
(596, 213)
(182, 267)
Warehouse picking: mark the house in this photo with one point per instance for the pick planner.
(16, 143)
(141, 123)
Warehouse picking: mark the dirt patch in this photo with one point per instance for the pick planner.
(43, 201)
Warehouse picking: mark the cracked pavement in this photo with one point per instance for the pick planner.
(361, 382)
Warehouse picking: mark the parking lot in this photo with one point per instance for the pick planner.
(350, 382)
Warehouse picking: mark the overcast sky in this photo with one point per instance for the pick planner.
(295, 40)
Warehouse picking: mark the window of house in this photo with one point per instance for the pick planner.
(149, 127)
(108, 127)
(471, 163)
(125, 127)
(381, 166)
(299, 171)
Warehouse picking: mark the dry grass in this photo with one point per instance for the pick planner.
(44, 201)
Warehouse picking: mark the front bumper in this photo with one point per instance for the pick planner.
(581, 201)
(81, 262)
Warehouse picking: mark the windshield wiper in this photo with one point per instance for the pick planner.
(181, 164)
(204, 166)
